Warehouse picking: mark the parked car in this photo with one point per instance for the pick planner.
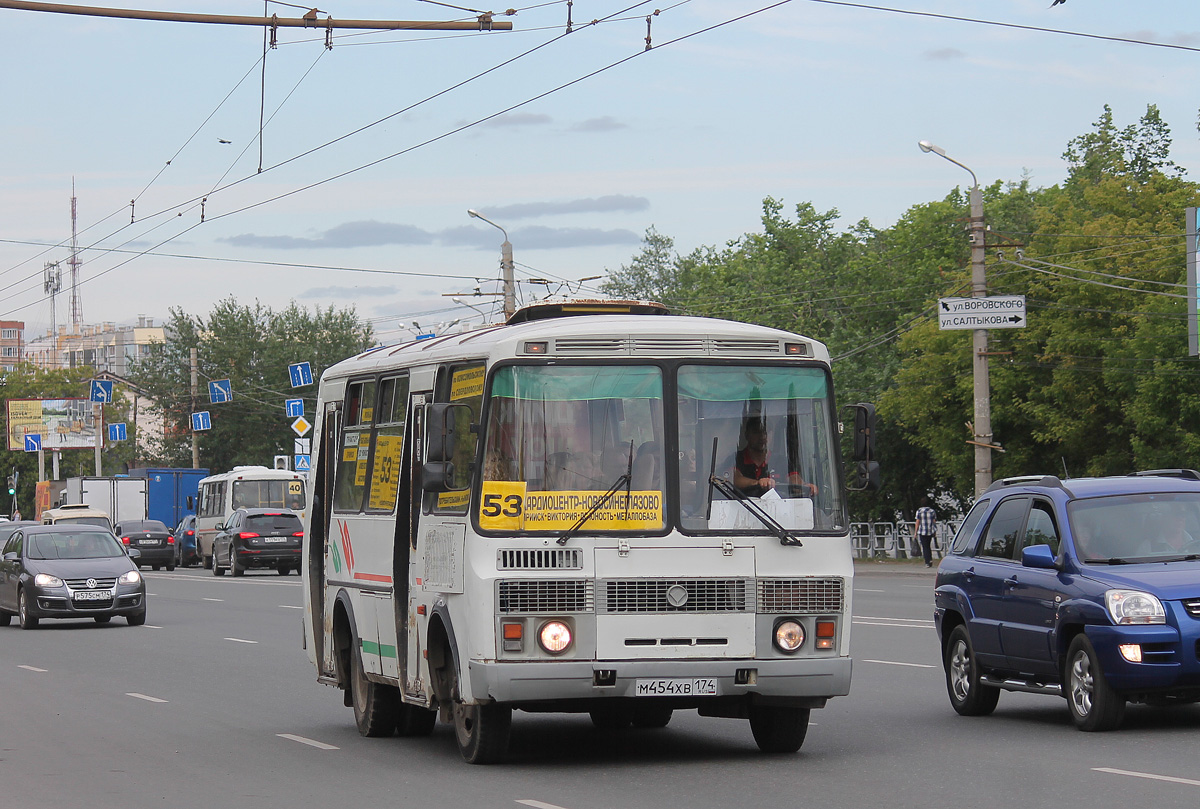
(153, 539)
(69, 571)
(256, 538)
(185, 542)
(1088, 589)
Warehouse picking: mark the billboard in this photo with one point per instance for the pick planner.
(62, 423)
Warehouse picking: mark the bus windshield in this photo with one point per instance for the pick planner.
(559, 437)
(772, 431)
(268, 494)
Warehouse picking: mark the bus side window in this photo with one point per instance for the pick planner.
(354, 451)
(462, 385)
(387, 450)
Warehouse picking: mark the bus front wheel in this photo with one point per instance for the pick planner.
(481, 730)
(778, 729)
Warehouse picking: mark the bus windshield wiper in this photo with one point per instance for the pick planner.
(749, 503)
(625, 479)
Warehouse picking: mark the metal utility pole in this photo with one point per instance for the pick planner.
(506, 266)
(76, 304)
(483, 22)
(195, 386)
(982, 424)
(52, 285)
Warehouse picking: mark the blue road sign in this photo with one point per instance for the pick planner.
(303, 463)
(300, 373)
(220, 391)
(101, 390)
(201, 421)
(33, 442)
(295, 408)
(116, 431)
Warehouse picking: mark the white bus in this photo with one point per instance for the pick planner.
(545, 516)
(217, 496)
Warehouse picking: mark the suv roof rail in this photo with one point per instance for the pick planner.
(1051, 481)
(1186, 474)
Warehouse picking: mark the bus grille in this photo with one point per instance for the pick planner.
(802, 596)
(545, 595)
(672, 346)
(664, 595)
(539, 559)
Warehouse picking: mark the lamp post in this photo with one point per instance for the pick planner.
(983, 439)
(506, 264)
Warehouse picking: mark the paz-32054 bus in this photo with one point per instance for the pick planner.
(623, 513)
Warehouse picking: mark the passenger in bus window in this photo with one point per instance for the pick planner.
(753, 474)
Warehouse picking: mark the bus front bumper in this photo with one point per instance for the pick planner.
(770, 680)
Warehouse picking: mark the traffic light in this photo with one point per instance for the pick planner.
(12, 484)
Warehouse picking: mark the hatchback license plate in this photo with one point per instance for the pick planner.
(676, 687)
(92, 595)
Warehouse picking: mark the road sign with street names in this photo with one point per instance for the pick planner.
(295, 408)
(301, 426)
(33, 442)
(101, 390)
(300, 373)
(116, 431)
(993, 312)
(220, 391)
(201, 421)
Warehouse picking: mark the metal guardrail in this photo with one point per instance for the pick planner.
(891, 540)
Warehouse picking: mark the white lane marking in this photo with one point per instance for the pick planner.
(885, 623)
(539, 804)
(240, 640)
(1149, 775)
(865, 590)
(212, 599)
(922, 586)
(309, 742)
(33, 668)
(290, 607)
(892, 618)
(897, 663)
(136, 695)
(152, 626)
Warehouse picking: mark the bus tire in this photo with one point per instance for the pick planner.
(778, 729)
(481, 731)
(375, 704)
(413, 720)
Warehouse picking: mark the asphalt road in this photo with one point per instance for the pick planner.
(213, 703)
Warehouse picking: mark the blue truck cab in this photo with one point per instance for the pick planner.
(1088, 589)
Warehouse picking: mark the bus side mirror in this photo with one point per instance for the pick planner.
(436, 476)
(864, 431)
(440, 431)
(866, 477)
(191, 503)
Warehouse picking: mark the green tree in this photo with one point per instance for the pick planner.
(251, 346)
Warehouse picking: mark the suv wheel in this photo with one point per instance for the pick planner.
(968, 695)
(1094, 704)
(216, 568)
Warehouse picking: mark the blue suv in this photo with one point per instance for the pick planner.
(1088, 589)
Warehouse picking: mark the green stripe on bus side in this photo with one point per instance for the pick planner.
(373, 648)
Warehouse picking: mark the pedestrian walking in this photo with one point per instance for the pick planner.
(926, 529)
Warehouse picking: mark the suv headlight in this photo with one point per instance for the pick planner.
(132, 577)
(1134, 607)
(46, 580)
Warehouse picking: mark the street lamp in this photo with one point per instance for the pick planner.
(461, 302)
(506, 264)
(983, 439)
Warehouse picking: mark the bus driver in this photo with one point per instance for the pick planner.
(752, 474)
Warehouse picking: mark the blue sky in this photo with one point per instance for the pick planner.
(575, 144)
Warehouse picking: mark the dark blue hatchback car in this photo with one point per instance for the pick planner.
(1087, 588)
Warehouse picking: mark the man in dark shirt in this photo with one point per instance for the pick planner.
(752, 474)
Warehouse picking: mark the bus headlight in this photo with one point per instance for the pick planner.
(789, 635)
(554, 637)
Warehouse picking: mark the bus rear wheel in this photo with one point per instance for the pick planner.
(375, 705)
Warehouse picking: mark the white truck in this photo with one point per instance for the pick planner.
(121, 498)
